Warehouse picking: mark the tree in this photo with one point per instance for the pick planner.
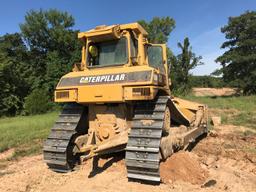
(158, 29)
(181, 66)
(239, 61)
(36, 58)
(206, 81)
(53, 45)
(37, 102)
(13, 74)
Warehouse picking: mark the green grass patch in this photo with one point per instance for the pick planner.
(233, 110)
(25, 133)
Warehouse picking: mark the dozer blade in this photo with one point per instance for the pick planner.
(184, 112)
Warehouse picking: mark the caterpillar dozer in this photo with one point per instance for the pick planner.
(118, 98)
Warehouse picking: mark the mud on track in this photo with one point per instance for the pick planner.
(224, 161)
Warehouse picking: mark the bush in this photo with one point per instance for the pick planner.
(206, 81)
(37, 102)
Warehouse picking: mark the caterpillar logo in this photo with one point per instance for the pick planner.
(138, 76)
(103, 78)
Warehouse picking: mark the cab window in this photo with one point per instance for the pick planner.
(155, 57)
(108, 53)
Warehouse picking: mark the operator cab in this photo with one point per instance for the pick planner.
(121, 45)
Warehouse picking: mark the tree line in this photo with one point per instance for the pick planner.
(33, 60)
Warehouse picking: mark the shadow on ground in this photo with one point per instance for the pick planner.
(110, 160)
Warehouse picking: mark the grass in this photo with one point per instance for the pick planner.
(233, 110)
(25, 133)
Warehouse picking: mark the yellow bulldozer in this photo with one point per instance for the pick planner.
(118, 99)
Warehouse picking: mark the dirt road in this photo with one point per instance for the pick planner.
(224, 161)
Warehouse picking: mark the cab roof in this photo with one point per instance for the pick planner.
(112, 30)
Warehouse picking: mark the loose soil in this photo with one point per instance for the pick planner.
(6, 154)
(223, 161)
(183, 166)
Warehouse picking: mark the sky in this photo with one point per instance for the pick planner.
(200, 20)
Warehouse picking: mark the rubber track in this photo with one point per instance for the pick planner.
(142, 150)
(55, 149)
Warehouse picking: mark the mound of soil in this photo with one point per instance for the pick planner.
(182, 166)
(226, 91)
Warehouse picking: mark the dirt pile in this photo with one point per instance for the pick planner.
(214, 91)
(183, 166)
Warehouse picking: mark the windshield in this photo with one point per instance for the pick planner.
(108, 53)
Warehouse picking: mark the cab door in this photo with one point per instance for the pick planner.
(156, 58)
